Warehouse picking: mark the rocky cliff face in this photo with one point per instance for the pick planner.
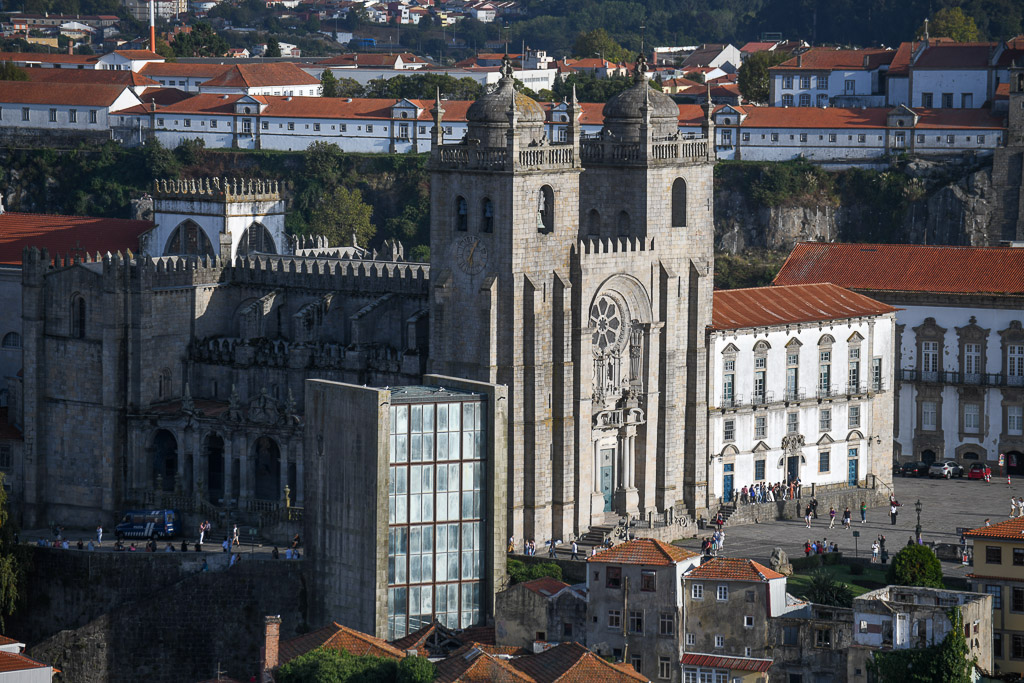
(961, 210)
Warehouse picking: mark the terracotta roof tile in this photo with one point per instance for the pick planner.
(82, 94)
(182, 70)
(16, 662)
(763, 306)
(47, 58)
(1007, 530)
(645, 551)
(138, 54)
(545, 586)
(731, 663)
(476, 665)
(573, 663)
(63, 234)
(4, 640)
(89, 76)
(496, 650)
(337, 637)
(872, 117)
(955, 56)
(755, 46)
(818, 58)
(732, 569)
(906, 268)
(261, 75)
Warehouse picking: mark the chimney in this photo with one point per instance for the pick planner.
(271, 637)
(800, 59)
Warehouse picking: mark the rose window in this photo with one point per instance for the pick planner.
(606, 321)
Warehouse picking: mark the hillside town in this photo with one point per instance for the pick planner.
(360, 341)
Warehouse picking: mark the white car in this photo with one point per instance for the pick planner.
(947, 469)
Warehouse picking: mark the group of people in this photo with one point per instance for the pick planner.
(1017, 506)
(710, 545)
(767, 493)
(820, 547)
(811, 513)
(878, 549)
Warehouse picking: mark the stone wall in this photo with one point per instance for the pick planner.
(155, 617)
(794, 509)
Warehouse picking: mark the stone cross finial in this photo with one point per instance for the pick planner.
(640, 69)
(506, 70)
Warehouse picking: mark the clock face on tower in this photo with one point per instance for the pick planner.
(470, 254)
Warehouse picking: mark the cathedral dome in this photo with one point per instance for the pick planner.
(493, 107)
(623, 113)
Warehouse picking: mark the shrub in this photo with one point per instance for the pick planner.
(915, 565)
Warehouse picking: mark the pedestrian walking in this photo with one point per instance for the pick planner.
(831, 516)
(863, 512)
(814, 507)
(807, 516)
(551, 548)
(99, 534)
(874, 551)
(892, 513)
(234, 536)
(846, 517)
(575, 551)
(807, 548)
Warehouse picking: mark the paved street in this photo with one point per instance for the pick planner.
(946, 506)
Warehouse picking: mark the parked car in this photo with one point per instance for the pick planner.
(914, 469)
(947, 469)
(979, 471)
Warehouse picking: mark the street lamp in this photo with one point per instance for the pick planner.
(917, 508)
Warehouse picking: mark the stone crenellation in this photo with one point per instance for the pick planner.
(614, 245)
(221, 189)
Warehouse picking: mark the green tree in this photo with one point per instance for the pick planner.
(161, 162)
(329, 84)
(599, 43)
(951, 22)
(332, 666)
(952, 663)
(202, 41)
(10, 72)
(341, 213)
(323, 162)
(915, 565)
(519, 571)
(191, 152)
(349, 87)
(273, 48)
(825, 590)
(753, 75)
(415, 670)
(13, 561)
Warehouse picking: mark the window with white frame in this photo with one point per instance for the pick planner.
(719, 642)
(972, 359)
(664, 668)
(92, 116)
(637, 662)
(787, 82)
(728, 430)
(614, 619)
(691, 639)
(972, 418)
(53, 116)
(666, 624)
(854, 414)
(697, 591)
(825, 420)
(792, 423)
(728, 381)
(929, 413)
(824, 371)
(1014, 363)
(760, 427)
(822, 82)
(805, 101)
(72, 116)
(723, 592)
(876, 374)
(1015, 420)
(636, 621)
(805, 81)
(854, 374)
(748, 621)
(930, 356)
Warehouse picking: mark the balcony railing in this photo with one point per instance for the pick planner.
(984, 379)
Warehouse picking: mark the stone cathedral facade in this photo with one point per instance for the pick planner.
(577, 272)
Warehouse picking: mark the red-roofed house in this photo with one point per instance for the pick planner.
(824, 76)
(544, 610)
(646, 576)
(17, 668)
(799, 378)
(960, 356)
(729, 603)
(843, 137)
(269, 78)
(128, 60)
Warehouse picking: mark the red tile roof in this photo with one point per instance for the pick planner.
(476, 665)
(872, 117)
(645, 551)
(906, 268)
(819, 58)
(4, 640)
(955, 56)
(16, 662)
(47, 58)
(261, 75)
(545, 586)
(337, 637)
(573, 663)
(1008, 530)
(732, 569)
(731, 663)
(755, 46)
(900, 64)
(83, 94)
(66, 234)
(181, 70)
(89, 76)
(138, 54)
(764, 306)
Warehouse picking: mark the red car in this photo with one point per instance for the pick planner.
(979, 471)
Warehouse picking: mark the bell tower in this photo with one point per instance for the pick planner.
(504, 219)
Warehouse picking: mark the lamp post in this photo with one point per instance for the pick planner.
(917, 508)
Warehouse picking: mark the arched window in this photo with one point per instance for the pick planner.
(78, 316)
(545, 209)
(188, 239)
(623, 223)
(679, 203)
(12, 340)
(487, 216)
(164, 384)
(461, 214)
(256, 240)
(593, 222)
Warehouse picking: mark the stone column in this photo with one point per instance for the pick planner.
(244, 472)
(184, 439)
(284, 453)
